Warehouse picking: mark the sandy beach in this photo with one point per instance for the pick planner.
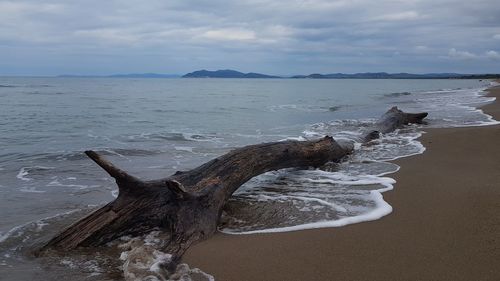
(445, 224)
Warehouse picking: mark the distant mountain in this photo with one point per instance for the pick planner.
(131, 75)
(481, 76)
(380, 75)
(226, 73)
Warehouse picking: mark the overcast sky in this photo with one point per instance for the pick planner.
(275, 37)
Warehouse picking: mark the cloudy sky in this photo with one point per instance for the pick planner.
(275, 37)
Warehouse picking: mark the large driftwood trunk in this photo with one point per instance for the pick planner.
(189, 204)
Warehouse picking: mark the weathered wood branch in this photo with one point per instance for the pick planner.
(393, 119)
(189, 204)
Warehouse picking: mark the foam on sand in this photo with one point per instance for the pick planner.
(352, 193)
(381, 209)
(142, 260)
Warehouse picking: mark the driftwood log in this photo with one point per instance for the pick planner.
(393, 119)
(189, 204)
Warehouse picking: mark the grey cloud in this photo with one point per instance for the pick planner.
(251, 35)
(465, 55)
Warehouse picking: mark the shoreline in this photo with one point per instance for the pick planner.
(444, 224)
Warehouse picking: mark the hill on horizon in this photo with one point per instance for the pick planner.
(225, 73)
(229, 73)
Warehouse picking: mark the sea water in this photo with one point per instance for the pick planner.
(154, 127)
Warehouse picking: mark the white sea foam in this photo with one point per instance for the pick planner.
(56, 183)
(30, 189)
(201, 137)
(292, 187)
(18, 231)
(69, 263)
(90, 267)
(184, 148)
(302, 107)
(456, 108)
(382, 209)
(110, 151)
(142, 260)
(299, 138)
(263, 197)
(22, 174)
(25, 171)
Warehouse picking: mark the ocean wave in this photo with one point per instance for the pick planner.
(33, 170)
(25, 231)
(54, 156)
(25, 86)
(164, 110)
(73, 156)
(38, 86)
(299, 138)
(44, 93)
(334, 108)
(124, 152)
(57, 183)
(158, 136)
(303, 107)
(397, 94)
(30, 189)
(350, 129)
(174, 136)
(456, 108)
(184, 148)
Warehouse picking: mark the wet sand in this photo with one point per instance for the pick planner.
(445, 224)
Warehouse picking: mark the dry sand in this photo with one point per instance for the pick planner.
(445, 224)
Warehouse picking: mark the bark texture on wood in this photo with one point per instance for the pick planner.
(189, 204)
(393, 119)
